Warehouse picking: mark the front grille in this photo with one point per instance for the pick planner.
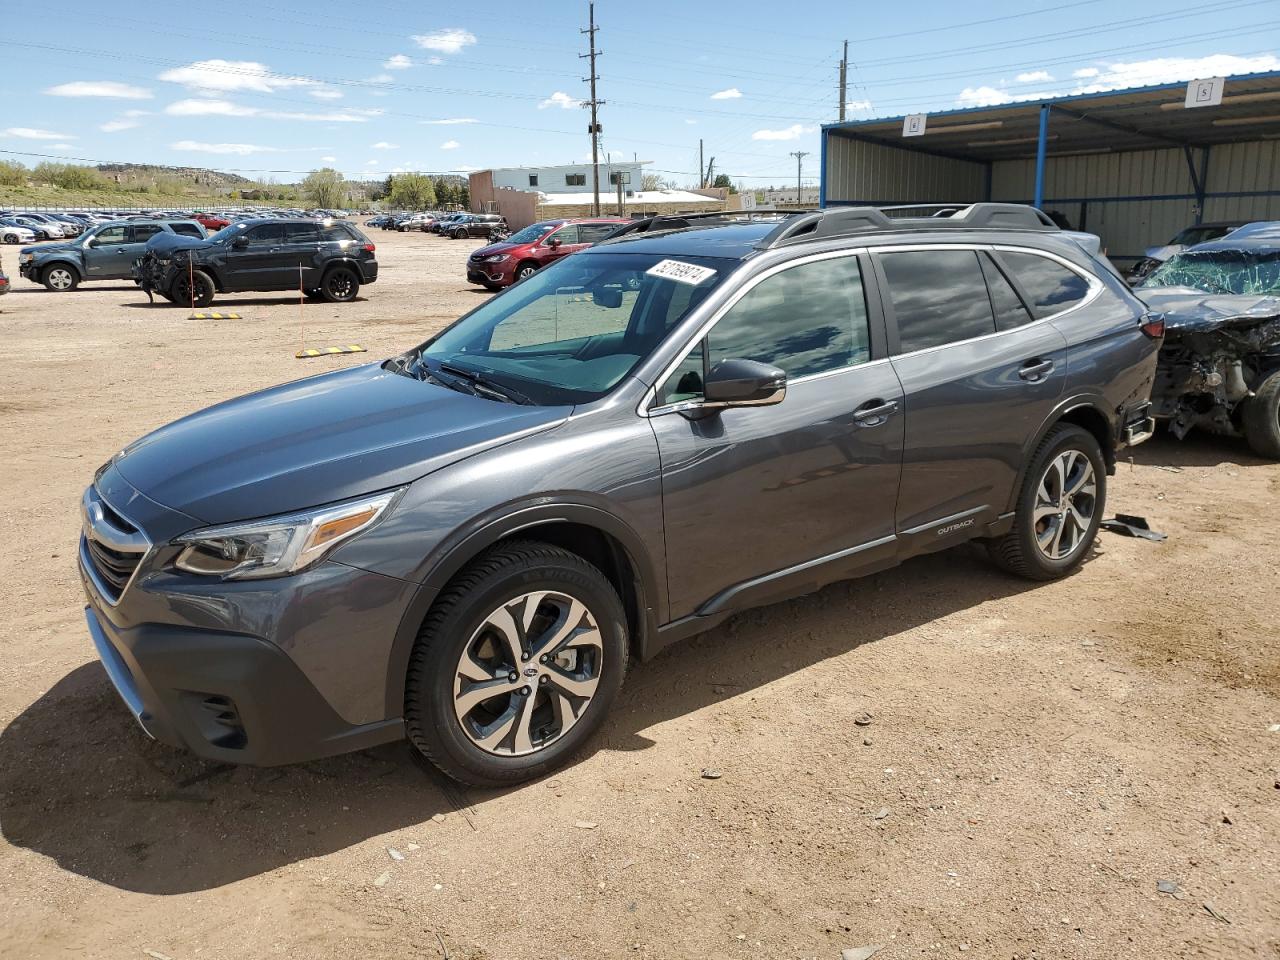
(113, 567)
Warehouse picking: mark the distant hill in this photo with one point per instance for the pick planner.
(145, 174)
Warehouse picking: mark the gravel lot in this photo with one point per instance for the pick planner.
(1038, 758)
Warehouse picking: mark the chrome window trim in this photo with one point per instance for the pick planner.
(93, 525)
(645, 409)
(1095, 287)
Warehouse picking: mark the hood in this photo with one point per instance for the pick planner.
(165, 244)
(1163, 253)
(318, 440)
(47, 248)
(500, 247)
(1187, 309)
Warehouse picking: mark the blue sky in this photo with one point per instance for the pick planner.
(278, 87)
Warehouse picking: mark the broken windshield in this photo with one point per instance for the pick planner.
(1221, 271)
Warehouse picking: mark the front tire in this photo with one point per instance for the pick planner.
(1059, 507)
(1261, 418)
(459, 234)
(340, 285)
(60, 278)
(516, 665)
(10, 238)
(181, 291)
(525, 270)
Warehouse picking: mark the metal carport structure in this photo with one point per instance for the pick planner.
(1135, 166)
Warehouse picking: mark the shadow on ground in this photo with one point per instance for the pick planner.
(1199, 449)
(81, 784)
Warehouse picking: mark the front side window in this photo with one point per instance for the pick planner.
(571, 332)
(266, 235)
(566, 234)
(938, 297)
(1050, 287)
(109, 236)
(805, 320)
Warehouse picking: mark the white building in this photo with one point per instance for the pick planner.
(566, 178)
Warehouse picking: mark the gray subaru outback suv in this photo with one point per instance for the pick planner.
(465, 544)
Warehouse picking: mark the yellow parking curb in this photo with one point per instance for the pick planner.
(215, 316)
(328, 351)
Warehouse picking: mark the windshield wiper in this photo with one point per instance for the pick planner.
(482, 384)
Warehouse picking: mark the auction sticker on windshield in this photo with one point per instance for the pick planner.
(680, 272)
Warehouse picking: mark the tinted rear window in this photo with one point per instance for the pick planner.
(938, 296)
(186, 229)
(1050, 287)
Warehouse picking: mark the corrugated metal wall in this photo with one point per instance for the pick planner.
(1084, 188)
(871, 173)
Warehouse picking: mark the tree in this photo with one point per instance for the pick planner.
(412, 191)
(650, 181)
(722, 180)
(324, 188)
(12, 174)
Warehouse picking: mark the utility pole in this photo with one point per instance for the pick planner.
(593, 104)
(799, 155)
(844, 74)
(702, 180)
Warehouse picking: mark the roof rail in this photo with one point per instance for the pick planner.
(842, 221)
(689, 221)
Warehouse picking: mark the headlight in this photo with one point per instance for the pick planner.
(26, 257)
(496, 258)
(279, 546)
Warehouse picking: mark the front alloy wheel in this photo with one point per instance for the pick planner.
(528, 673)
(60, 279)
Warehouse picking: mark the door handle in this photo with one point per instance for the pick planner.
(874, 412)
(1034, 370)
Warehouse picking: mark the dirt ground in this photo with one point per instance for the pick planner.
(1038, 757)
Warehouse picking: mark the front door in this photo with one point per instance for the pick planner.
(566, 241)
(106, 251)
(758, 501)
(259, 261)
(980, 375)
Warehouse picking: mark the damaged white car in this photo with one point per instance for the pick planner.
(1219, 366)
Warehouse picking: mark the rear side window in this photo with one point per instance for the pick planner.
(1010, 311)
(591, 232)
(938, 297)
(145, 231)
(1050, 287)
(301, 233)
(186, 229)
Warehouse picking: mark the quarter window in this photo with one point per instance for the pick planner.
(1010, 311)
(1050, 287)
(186, 229)
(938, 297)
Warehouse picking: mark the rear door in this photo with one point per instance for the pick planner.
(139, 234)
(980, 374)
(757, 499)
(300, 265)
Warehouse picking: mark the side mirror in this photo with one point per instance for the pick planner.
(554, 243)
(93, 242)
(239, 243)
(735, 382)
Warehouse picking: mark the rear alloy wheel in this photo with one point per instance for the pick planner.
(516, 665)
(340, 285)
(60, 278)
(1261, 418)
(459, 234)
(192, 290)
(10, 238)
(1059, 508)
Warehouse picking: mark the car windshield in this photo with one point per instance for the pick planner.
(1221, 271)
(230, 230)
(1201, 234)
(571, 332)
(531, 233)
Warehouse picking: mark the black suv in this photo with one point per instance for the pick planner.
(466, 544)
(474, 225)
(326, 259)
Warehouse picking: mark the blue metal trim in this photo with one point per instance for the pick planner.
(1042, 144)
(822, 171)
(1203, 185)
(1068, 98)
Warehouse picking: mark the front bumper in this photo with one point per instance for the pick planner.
(489, 274)
(29, 271)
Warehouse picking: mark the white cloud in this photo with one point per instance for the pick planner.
(381, 78)
(691, 122)
(450, 145)
(733, 93)
(1084, 73)
(226, 108)
(858, 104)
(31, 133)
(115, 126)
(449, 121)
(327, 93)
(793, 132)
(371, 163)
(225, 76)
(435, 61)
(982, 97)
(61, 146)
(1035, 76)
(446, 41)
(398, 62)
(1141, 73)
(328, 159)
(240, 149)
(383, 145)
(100, 88)
(559, 99)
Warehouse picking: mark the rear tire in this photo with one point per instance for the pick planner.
(340, 285)
(10, 238)
(459, 234)
(60, 278)
(573, 659)
(1059, 508)
(1261, 418)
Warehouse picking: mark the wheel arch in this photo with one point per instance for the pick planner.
(62, 262)
(1087, 412)
(599, 537)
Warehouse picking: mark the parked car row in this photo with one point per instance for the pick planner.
(456, 225)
